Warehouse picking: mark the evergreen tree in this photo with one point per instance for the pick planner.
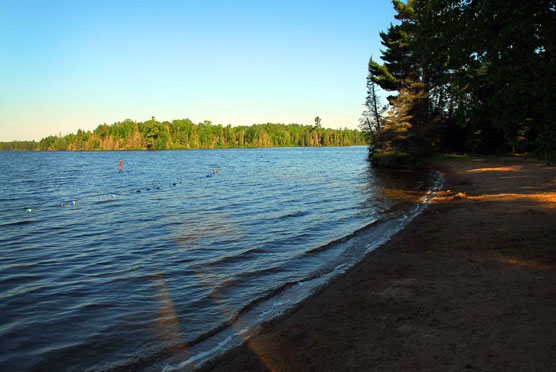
(371, 121)
(317, 122)
(468, 76)
(184, 134)
(407, 132)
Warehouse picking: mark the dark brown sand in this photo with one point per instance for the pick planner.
(470, 284)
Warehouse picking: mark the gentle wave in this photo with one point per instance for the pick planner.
(367, 230)
(187, 262)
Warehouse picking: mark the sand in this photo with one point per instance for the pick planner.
(470, 284)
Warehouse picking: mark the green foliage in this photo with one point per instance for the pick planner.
(372, 122)
(469, 76)
(19, 146)
(546, 143)
(318, 122)
(184, 134)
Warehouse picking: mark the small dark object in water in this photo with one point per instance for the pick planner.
(148, 189)
(158, 188)
(174, 184)
(209, 175)
(138, 190)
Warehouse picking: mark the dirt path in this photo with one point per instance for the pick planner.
(469, 285)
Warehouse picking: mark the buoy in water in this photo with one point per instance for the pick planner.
(120, 166)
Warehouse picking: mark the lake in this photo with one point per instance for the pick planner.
(182, 254)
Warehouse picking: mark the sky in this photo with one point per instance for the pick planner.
(69, 65)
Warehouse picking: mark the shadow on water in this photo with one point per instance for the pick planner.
(191, 264)
(388, 194)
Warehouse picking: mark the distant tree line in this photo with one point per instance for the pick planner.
(184, 134)
(464, 75)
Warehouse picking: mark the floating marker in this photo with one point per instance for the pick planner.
(120, 166)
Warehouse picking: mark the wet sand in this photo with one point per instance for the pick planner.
(470, 284)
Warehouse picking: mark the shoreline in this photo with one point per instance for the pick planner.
(468, 284)
(188, 149)
(247, 322)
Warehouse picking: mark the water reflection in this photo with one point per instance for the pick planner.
(167, 324)
(387, 192)
(134, 278)
(382, 193)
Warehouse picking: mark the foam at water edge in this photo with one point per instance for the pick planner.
(275, 306)
(199, 356)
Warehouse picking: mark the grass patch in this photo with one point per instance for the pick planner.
(401, 160)
(499, 158)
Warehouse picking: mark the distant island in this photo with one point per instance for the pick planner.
(184, 134)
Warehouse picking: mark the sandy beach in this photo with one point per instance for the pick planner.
(470, 284)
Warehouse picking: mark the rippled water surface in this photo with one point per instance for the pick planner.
(164, 255)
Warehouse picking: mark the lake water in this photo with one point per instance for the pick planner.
(170, 262)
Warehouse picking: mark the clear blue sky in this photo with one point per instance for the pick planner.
(75, 64)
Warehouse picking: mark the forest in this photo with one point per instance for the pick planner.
(184, 134)
(463, 76)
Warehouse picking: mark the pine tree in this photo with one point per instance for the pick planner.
(371, 120)
(403, 132)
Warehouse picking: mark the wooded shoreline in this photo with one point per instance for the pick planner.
(463, 76)
(184, 134)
